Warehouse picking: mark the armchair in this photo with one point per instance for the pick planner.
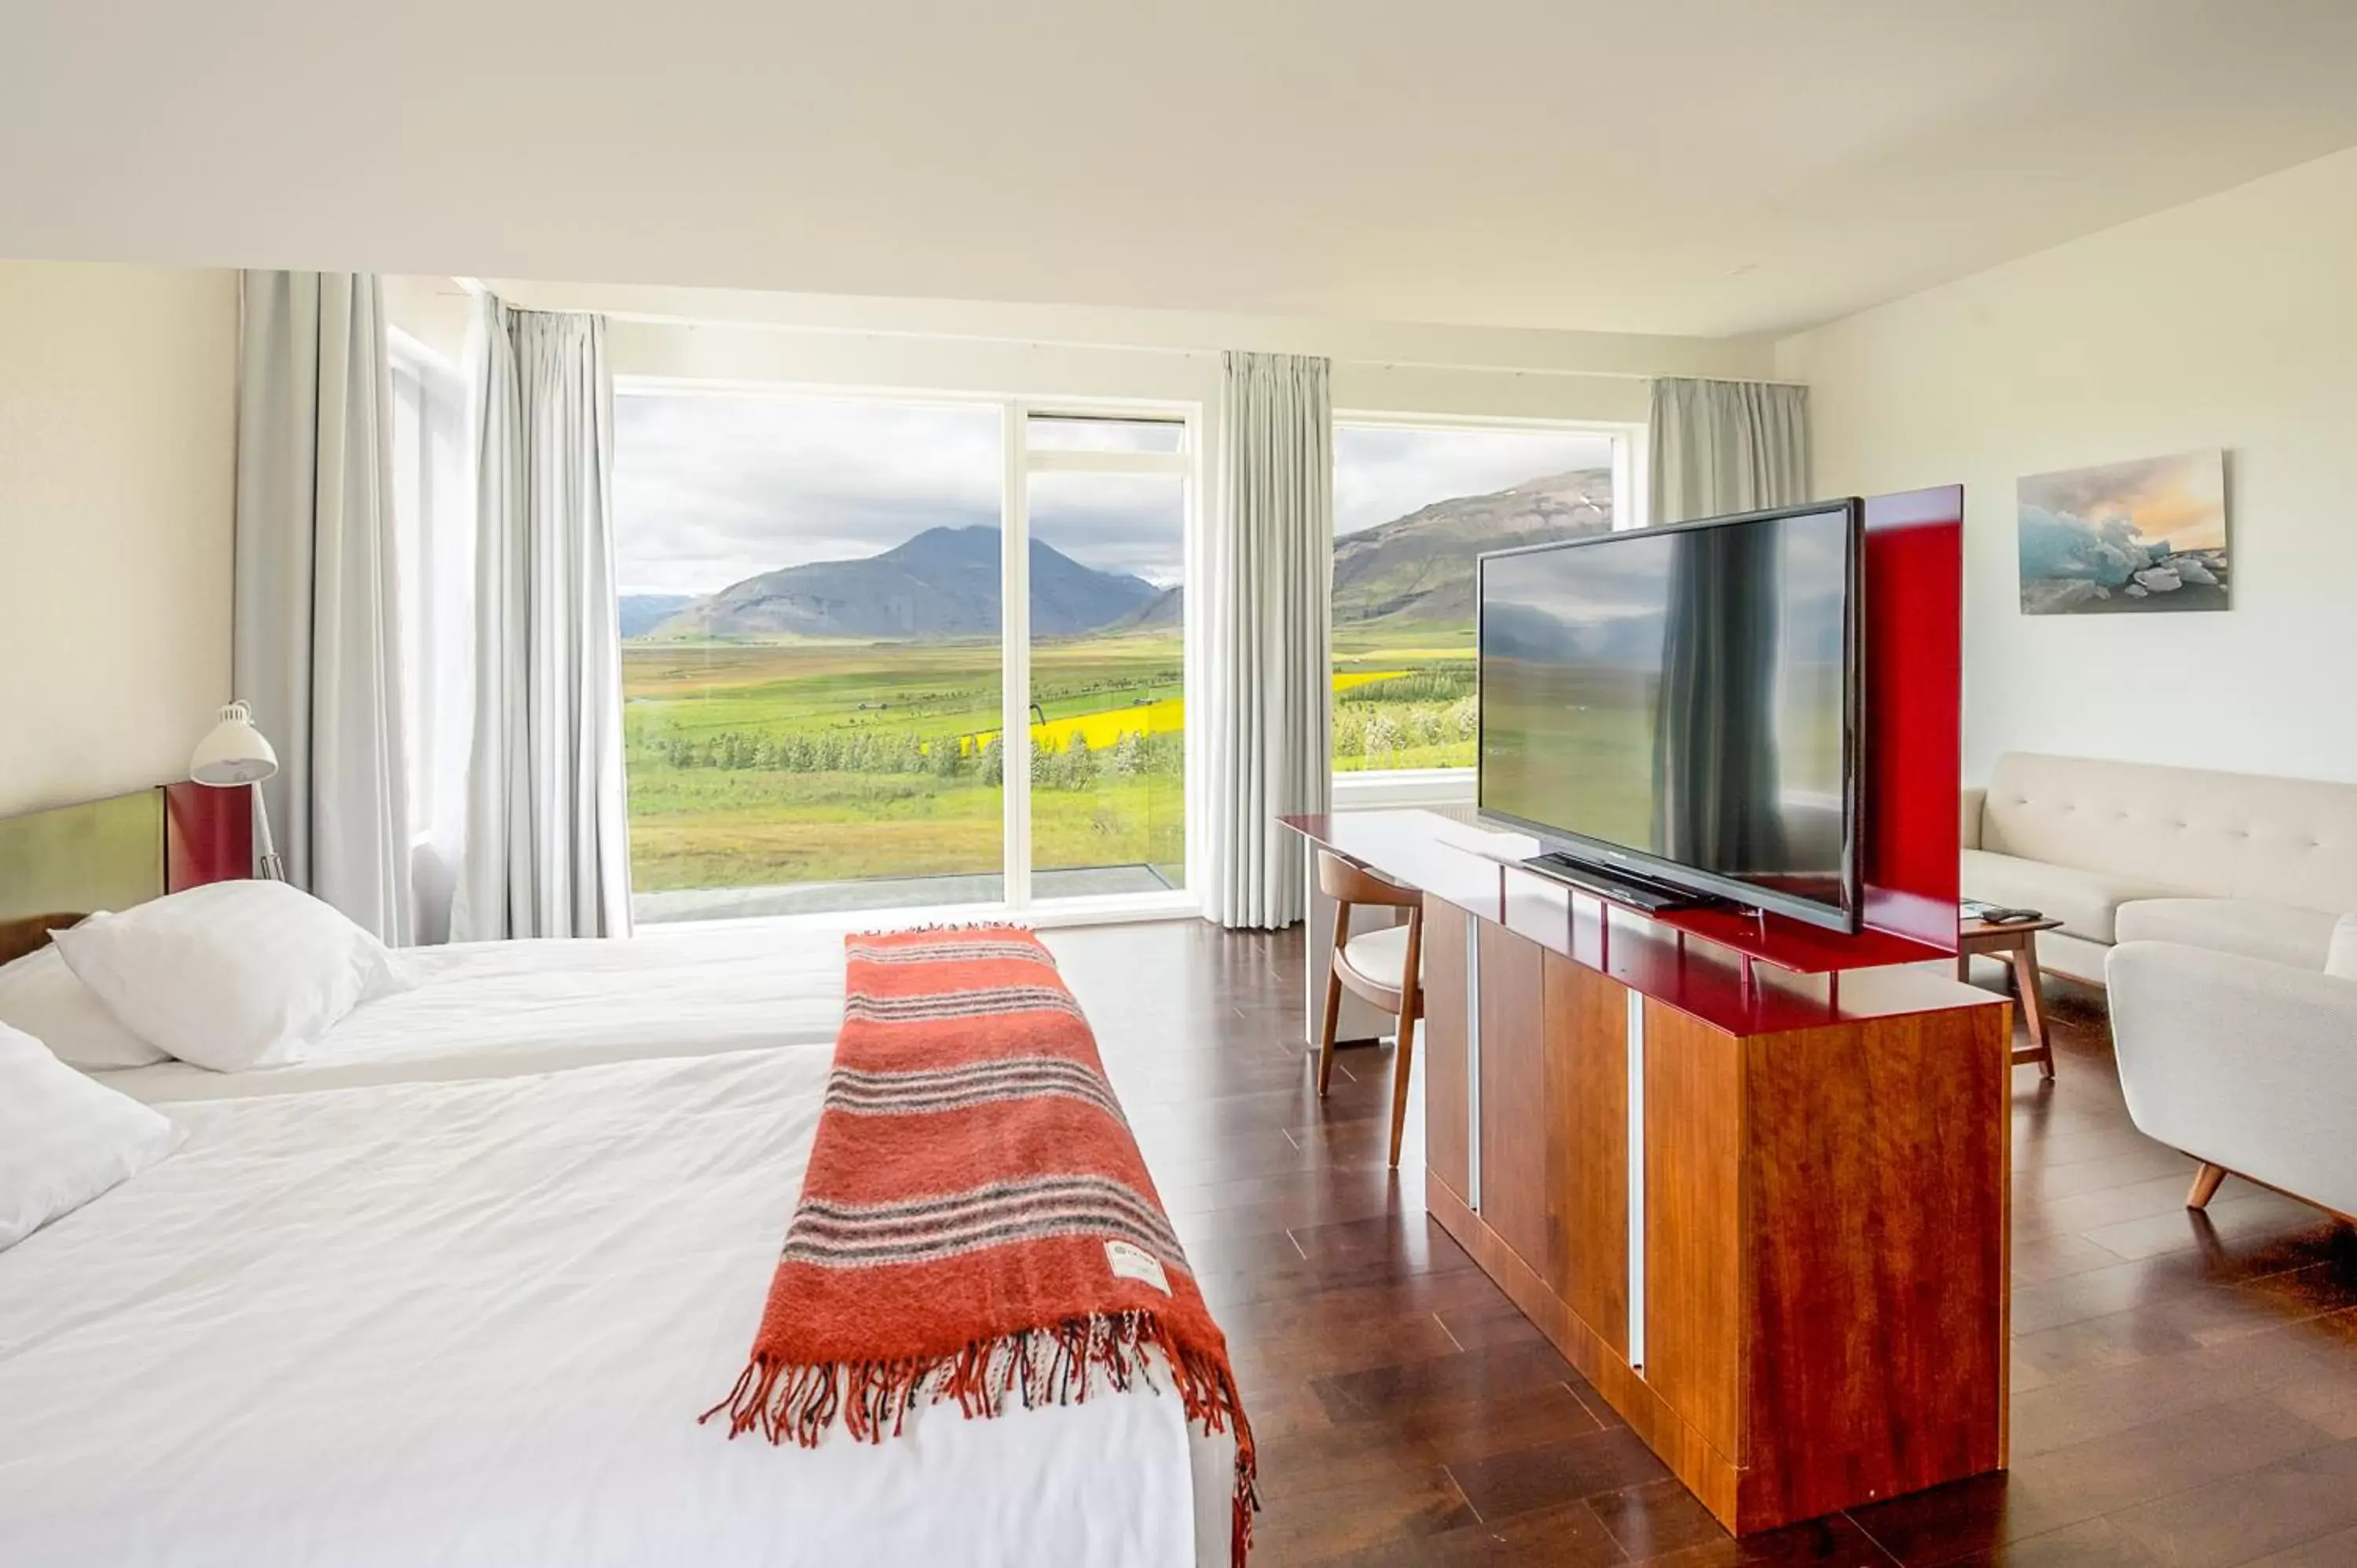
(2247, 1065)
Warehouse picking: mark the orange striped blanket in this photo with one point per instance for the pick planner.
(976, 1223)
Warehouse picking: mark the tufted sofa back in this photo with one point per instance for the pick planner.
(2229, 835)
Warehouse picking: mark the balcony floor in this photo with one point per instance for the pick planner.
(886, 893)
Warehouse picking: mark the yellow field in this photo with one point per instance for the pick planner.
(1103, 728)
(1165, 715)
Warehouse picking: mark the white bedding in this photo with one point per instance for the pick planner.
(473, 1324)
(487, 1009)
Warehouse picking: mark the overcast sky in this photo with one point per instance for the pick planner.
(709, 490)
(1382, 472)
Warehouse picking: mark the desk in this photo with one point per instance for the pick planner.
(1765, 1213)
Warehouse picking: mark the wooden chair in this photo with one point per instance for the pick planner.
(1385, 966)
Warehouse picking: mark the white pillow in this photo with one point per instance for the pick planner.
(231, 975)
(2341, 958)
(63, 1139)
(45, 999)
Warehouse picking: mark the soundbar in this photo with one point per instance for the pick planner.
(1636, 892)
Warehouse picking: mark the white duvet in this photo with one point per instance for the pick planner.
(487, 1009)
(468, 1324)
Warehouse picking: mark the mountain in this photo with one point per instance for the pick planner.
(1420, 567)
(641, 613)
(943, 582)
(1160, 613)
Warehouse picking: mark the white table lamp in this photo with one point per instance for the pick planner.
(234, 754)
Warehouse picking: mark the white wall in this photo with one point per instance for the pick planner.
(433, 310)
(118, 424)
(2230, 322)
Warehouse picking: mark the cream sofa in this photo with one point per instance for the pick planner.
(2120, 851)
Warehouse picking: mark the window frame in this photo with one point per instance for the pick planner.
(1445, 788)
(1016, 605)
(423, 387)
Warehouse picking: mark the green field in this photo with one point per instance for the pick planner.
(1422, 714)
(756, 764)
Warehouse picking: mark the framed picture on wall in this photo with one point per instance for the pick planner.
(2129, 538)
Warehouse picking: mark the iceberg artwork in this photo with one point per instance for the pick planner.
(2126, 538)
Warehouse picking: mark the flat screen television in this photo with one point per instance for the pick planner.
(1682, 704)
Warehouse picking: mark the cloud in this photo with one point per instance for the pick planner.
(1382, 472)
(1116, 522)
(712, 488)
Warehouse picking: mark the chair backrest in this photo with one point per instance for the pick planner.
(1348, 882)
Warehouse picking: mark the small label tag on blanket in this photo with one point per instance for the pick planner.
(1128, 1263)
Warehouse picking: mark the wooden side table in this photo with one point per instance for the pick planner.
(2015, 941)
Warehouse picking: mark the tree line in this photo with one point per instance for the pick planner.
(1075, 765)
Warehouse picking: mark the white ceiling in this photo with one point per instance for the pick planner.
(1695, 167)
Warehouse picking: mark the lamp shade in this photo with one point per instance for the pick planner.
(234, 753)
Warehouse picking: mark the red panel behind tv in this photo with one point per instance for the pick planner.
(208, 836)
(1914, 710)
(1913, 664)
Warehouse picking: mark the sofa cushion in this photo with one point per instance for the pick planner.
(2229, 835)
(2060, 952)
(2341, 959)
(2086, 902)
(2281, 933)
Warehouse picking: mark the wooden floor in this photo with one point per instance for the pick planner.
(2184, 1387)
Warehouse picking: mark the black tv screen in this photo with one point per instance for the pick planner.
(1682, 703)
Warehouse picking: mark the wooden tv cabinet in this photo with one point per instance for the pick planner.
(1766, 1214)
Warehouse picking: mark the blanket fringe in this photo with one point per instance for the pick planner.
(1061, 1364)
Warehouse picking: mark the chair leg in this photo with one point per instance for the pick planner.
(1410, 1009)
(1403, 1063)
(1326, 1033)
(2205, 1184)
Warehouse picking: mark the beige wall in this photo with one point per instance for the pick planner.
(2230, 322)
(117, 432)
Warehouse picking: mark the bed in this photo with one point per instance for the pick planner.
(455, 1287)
(472, 1323)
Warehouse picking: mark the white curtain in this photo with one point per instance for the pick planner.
(315, 646)
(547, 848)
(1728, 446)
(1271, 571)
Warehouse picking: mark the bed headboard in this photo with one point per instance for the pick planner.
(60, 864)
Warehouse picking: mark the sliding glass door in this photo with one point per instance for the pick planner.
(826, 706)
(1106, 503)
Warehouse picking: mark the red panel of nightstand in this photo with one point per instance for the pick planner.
(208, 836)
